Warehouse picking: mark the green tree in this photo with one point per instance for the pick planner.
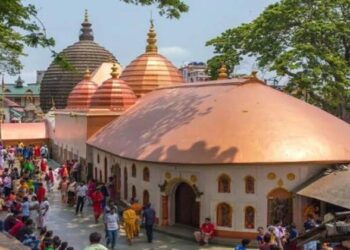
(20, 27)
(307, 41)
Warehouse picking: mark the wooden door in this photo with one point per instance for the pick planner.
(186, 211)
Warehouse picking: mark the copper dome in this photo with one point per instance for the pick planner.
(113, 94)
(236, 121)
(80, 97)
(57, 83)
(150, 70)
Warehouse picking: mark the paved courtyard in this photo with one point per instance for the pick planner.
(76, 229)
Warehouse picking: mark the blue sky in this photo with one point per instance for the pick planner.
(122, 28)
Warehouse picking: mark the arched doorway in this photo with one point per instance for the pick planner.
(279, 206)
(186, 207)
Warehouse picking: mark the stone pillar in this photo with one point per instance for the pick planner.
(165, 210)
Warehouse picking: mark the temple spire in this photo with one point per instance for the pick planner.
(223, 72)
(152, 39)
(114, 73)
(87, 74)
(86, 30)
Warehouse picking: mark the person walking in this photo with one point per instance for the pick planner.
(97, 198)
(137, 207)
(112, 227)
(43, 212)
(149, 215)
(95, 244)
(129, 218)
(81, 194)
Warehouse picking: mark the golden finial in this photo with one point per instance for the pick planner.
(86, 16)
(152, 40)
(254, 74)
(114, 73)
(223, 72)
(87, 74)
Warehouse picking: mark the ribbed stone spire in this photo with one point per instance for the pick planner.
(86, 32)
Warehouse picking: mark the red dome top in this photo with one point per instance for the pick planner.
(113, 94)
(80, 97)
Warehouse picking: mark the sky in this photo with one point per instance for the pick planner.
(122, 29)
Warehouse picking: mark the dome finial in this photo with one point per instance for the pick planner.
(114, 73)
(152, 40)
(87, 74)
(86, 30)
(223, 72)
(254, 74)
(86, 16)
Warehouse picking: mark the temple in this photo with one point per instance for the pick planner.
(235, 150)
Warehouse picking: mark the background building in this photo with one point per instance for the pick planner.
(21, 93)
(195, 72)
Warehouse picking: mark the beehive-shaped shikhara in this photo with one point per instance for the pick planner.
(59, 82)
(114, 94)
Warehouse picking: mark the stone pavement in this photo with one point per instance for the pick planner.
(76, 229)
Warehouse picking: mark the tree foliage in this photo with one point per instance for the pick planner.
(169, 8)
(307, 41)
(20, 27)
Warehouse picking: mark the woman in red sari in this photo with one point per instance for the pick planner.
(97, 198)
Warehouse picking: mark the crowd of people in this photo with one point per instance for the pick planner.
(276, 237)
(102, 198)
(25, 181)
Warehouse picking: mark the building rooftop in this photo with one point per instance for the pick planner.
(232, 121)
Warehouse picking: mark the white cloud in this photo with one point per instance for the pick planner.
(174, 52)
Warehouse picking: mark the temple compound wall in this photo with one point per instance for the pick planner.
(237, 198)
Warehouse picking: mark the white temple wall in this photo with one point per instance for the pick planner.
(70, 133)
(267, 178)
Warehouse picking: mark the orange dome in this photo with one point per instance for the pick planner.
(80, 96)
(233, 121)
(150, 70)
(113, 94)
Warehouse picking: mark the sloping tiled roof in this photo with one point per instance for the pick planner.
(11, 89)
(23, 131)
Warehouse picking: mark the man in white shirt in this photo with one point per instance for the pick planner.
(81, 194)
(112, 227)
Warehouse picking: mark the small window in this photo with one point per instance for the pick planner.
(224, 184)
(133, 170)
(145, 198)
(249, 217)
(98, 158)
(249, 185)
(106, 170)
(224, 215)
(146, 174)
(133, 192)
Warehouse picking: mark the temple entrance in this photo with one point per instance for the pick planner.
(279, 206)
(186, 207)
